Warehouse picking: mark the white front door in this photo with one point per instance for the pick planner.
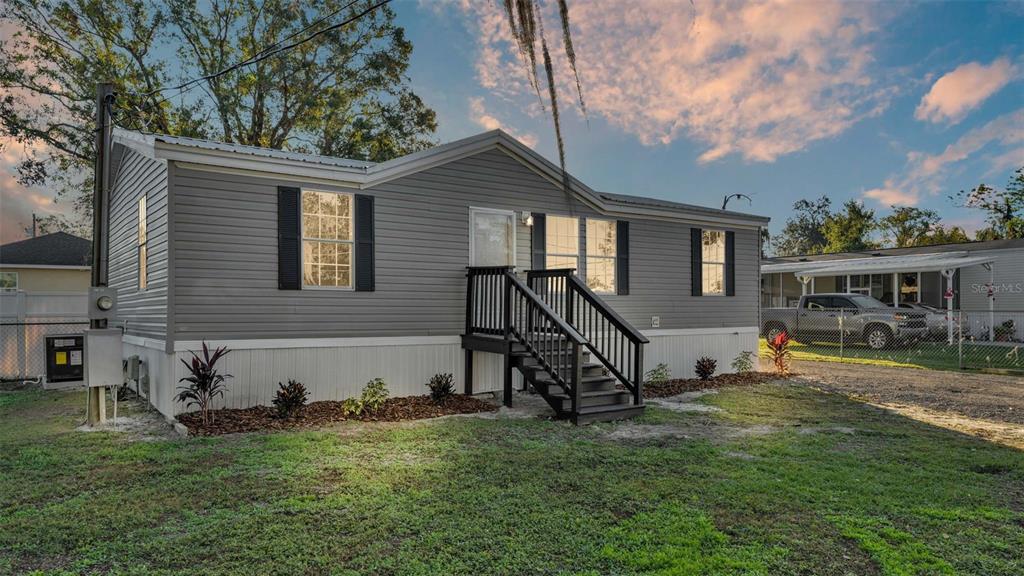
(492, 237)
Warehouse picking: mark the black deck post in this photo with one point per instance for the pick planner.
(507, 370)
(469, 372)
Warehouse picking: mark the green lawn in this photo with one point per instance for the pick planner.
(932, 355)
(783, 480)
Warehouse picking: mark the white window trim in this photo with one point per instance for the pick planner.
(472, 245)
(302, 242)
(614, 259)
(17, 281)
(723, 263)
(580, 245)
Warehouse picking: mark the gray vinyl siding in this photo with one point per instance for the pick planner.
(1007, 274)
(225, 247)
(143, 312)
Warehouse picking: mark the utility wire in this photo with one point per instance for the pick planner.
(272, 50)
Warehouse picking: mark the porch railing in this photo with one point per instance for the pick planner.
(500, 304)
(615, 342)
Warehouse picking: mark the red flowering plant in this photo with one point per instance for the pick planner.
(780, 354)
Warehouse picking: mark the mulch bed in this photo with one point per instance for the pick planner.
(316, 414)
(680, 385)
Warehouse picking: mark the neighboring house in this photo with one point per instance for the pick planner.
(44, 284)
(334, 272)
(969, 272)
(57, 262)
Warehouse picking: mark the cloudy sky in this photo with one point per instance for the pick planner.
(891, 103)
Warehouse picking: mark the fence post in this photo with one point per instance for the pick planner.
(842, 333)
(960, 338)
(22, 336)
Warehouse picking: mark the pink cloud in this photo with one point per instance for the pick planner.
(761, 79)
(958, 92)
(892, 196)
(481, 117)
(18, 203)
(927, 174)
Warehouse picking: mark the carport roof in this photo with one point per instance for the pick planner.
(880, 264)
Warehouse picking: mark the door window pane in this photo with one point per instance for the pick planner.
(492, 239)
(602, 244)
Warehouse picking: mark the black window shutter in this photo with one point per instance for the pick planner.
(696, 259)
(289, 243)
(622, 258)
(730, 263)
(364, 258)
(539, 241)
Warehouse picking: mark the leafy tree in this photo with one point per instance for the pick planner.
(803, 233)
(907, 226)
(850, 229)
(342, 93)
(942, 235)
(1004, 208)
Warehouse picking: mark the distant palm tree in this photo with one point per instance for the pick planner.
(527, 26)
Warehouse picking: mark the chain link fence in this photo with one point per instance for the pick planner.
(919, 337)
(23, 347)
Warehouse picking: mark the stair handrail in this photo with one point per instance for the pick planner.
(553, 342)
(628, 370)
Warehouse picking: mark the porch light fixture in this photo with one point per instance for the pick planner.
(527, 218)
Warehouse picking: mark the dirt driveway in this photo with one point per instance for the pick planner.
(985, 405)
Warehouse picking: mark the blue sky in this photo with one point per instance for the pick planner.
(875, 122)
(889, 103)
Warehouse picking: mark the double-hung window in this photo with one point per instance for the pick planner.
(601, 253)
(327, 239)
(713, 262)
(563, 242)
(143, 274)
(8, 281)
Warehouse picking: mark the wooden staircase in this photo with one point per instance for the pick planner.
(569, 345)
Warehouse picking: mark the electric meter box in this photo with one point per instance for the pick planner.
(103, 364)
(65, 358)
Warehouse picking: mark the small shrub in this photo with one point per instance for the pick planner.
(780, 354)
(204, 382)
(290, 398)
(705, 367)
(743, 362)
(658, 375)
(441, 387)
(370, 401)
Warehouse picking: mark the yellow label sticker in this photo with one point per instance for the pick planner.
(62, 358)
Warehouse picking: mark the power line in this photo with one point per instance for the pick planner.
(272, 50)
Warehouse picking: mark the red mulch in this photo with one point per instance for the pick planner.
(680, 385)
(316, 414)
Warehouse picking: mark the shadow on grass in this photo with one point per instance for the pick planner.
(835, 487)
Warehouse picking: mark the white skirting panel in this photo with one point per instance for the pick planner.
(159, 367)
(680, 349)
(339, 369)
(332, 372)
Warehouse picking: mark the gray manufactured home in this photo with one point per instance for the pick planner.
(468, 258)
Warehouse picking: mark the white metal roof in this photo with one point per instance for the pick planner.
(880, 264)
(358, 174)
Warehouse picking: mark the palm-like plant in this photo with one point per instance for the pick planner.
(779, 347)
(204, 382)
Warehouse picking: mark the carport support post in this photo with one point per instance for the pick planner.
(948, 274)
(804, 281)
(991, 301)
